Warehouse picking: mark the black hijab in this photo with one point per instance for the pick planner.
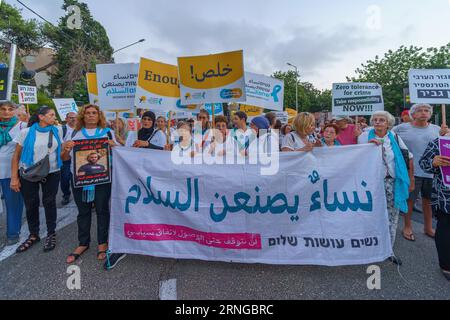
(145, 133)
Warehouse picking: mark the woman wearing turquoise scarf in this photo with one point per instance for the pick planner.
(10, 128)
(33, 146)
(397, 179)
(91, 124)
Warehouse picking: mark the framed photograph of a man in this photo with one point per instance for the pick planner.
(92, 163)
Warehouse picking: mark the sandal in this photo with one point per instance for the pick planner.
(28, 244)
(75, 256)
(101, 252)
(50, 243)
(409, 237)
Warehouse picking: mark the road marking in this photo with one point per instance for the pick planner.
(168, 289)
(66, 216)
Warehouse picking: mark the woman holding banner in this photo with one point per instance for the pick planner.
(37, 163)
(398, 177)
(91, 124)
(10, 128)
(431, 162)
(302, 139)
(147, 137)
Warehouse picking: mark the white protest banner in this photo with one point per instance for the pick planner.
(283, 116)
(429, 86)
(117, 85)
(264, 92)
(27, 94)
(328, 208)
(357, 98)
(65, 106)
(214, 78)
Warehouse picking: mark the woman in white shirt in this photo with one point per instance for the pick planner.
(398, 178)
(302, 139)
(34, 143)
(10, 128)
(147, 136)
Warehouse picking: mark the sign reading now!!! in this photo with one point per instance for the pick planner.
(216, 78)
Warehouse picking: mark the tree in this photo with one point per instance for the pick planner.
(309, 98)
(391, 71)
(77, 51)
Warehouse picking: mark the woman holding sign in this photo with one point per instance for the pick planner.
(431, 162)
(36, 163)
(147, 137)
(91, 124)
(398, 177)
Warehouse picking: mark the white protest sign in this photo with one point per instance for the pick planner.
(27, 94)
(117, 85)
(429, 86)
(357, 98)
(65, 106)
(283, 116)
(166, 209)
(264, 92)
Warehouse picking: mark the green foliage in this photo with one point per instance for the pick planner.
(391, 71)
(309, 98)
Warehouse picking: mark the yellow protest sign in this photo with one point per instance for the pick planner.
(215, 78)
(91, 79)
(251, 111)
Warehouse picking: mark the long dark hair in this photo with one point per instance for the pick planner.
(35, 117)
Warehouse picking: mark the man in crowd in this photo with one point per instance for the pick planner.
(416, 135)
(66, 175)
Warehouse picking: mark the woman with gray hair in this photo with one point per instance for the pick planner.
(397, 178)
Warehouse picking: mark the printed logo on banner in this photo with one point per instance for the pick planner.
(65, 106)
(264, 92)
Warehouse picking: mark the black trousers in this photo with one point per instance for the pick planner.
(442, 239)
(30, 193)
(101, 202)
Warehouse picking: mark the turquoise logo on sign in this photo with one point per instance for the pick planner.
(218, 108)
(275, 92)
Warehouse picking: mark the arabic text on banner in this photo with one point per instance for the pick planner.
(321, 208)
(429, 86)
(264, 92)
(215, 78)
(117, 85)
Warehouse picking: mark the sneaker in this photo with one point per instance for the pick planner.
(112, 260)
(65, 201)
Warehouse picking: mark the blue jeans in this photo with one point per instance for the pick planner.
(14, 209)
(66, 176)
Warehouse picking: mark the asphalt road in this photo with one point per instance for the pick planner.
(38, 275)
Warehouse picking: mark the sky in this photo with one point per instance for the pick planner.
(326, 40)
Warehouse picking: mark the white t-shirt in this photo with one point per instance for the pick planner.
(41, 147)
(80, 136)
(158, 139)
(388, 152)
(293, 141)
(7, 151)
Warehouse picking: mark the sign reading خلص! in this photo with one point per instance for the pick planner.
(27, 94)
(316, 215)
(214, 78)
(117, 85)
(357, 98)
(429, 86)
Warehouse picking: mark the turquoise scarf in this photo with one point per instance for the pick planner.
(28, 146)
(89, 191)
(5, 127)
(401, 187)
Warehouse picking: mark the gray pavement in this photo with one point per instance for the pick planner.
(38, 275)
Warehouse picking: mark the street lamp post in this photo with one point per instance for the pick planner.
(296, 84)
(142, 40)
